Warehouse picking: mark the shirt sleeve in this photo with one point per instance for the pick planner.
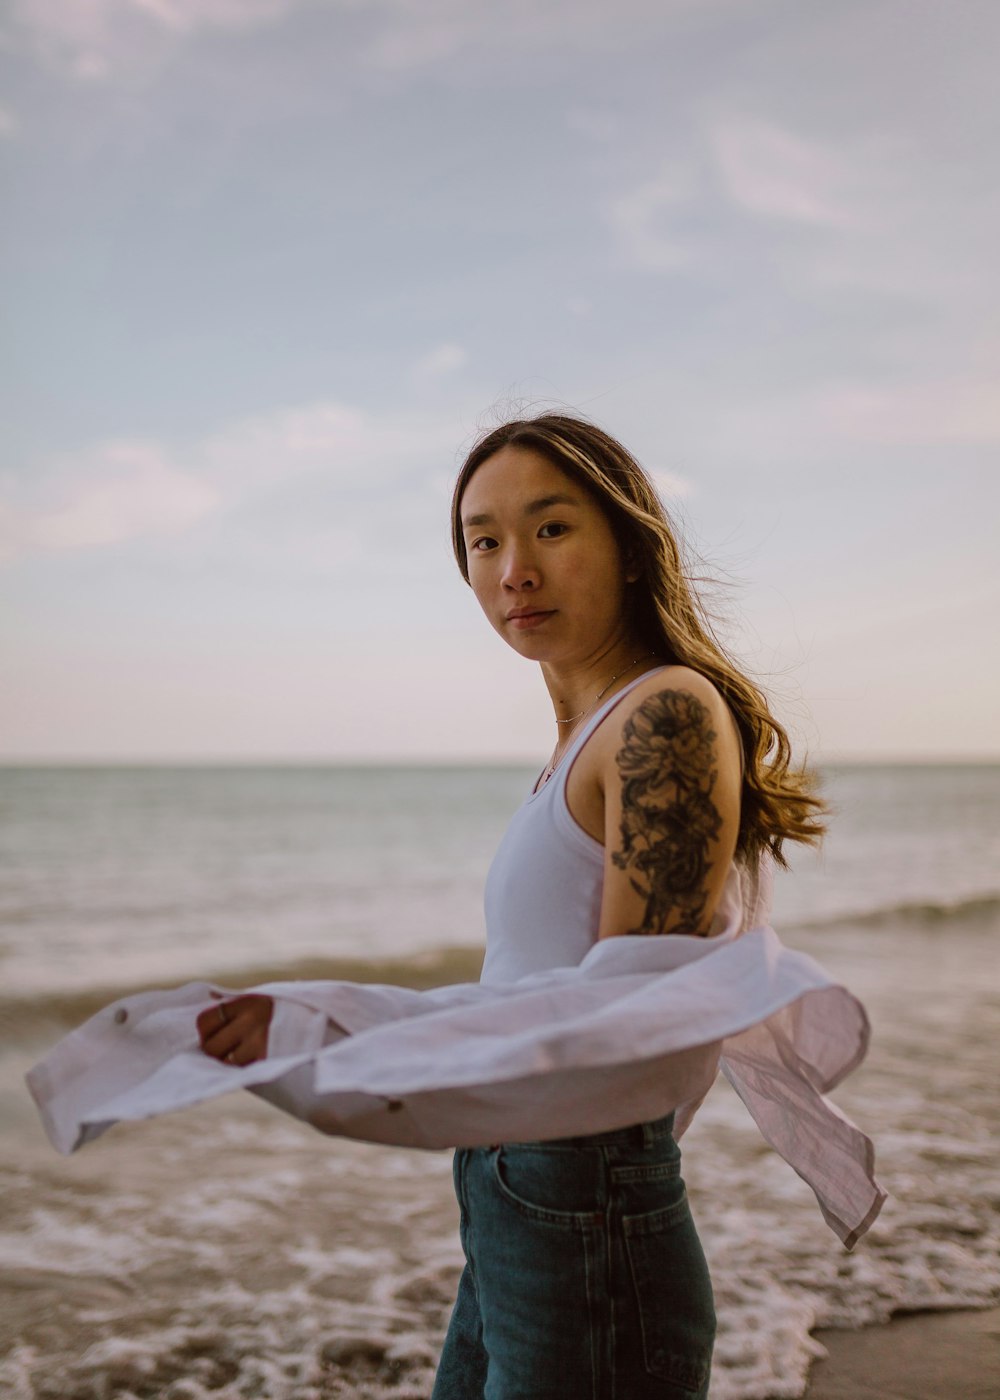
(297, 1029)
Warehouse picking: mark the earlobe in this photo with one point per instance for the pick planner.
(633, 569)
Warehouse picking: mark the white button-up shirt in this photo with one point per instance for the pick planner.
(638, 1029)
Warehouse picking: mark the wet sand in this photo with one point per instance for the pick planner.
(926, 1356)
(230, 1251)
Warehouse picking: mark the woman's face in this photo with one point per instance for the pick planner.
(543, 560)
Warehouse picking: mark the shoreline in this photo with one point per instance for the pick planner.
(218, 1238)
(32, 1014)
(917, 1356)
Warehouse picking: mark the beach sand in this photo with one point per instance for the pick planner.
(235, 1253)
(925, 1356)
(231, 1251)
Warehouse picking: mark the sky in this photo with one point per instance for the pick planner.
(269, 266)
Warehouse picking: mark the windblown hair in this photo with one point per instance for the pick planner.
(778, 802)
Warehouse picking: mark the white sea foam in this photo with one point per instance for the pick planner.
(229, 1252)
(294, 1268)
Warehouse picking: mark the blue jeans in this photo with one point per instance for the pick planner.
(584, 1275)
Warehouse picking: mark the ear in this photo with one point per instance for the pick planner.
(633, 571)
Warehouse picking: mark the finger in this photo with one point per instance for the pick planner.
(237, 1030)
(213, 1024)
(225, 1038)
(255, 1048)
(237, 1042)
(219, 1046)
(252, 1044)
(245, 1052)
(213, 1019)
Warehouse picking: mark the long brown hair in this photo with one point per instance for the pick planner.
(778, 802)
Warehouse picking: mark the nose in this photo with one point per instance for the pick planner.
(519, 574)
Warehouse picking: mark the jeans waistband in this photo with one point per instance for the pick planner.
(636, 1135)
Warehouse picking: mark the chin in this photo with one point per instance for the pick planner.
(531, 648)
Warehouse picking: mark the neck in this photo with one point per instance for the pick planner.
(574, 688)
(627, 671)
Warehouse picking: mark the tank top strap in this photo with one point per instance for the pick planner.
(558, 778)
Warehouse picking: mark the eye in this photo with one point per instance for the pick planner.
(481, 545)
(552, 530)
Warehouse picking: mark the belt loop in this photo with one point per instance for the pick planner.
(648, 1136)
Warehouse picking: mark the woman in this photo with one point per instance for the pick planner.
(584, 1275)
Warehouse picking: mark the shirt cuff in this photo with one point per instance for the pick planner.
(297, 1030)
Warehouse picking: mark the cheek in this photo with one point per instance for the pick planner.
(481, 589)
(607, 582)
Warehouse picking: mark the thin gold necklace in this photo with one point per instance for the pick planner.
(553, 762)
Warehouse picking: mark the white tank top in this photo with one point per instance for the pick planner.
(544, 888)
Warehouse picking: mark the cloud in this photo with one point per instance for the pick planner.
(131, 490)
(441, 361)
(321, 487)
(762, 169)
(670, 486)
(102, 39)
(771, 173)
(416, 34)
(641, 219)
(95, 39)
(186, 16)
(113, 493)
(844, 419)
(845, 218)
(943, 411)
(335, 439)
(118, 491)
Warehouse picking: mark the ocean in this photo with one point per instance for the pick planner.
(231, 1252)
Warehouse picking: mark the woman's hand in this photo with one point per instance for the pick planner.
(236, 1031)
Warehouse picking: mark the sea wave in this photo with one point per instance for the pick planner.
(983, 910)
(29, 1016)
(34, 1014)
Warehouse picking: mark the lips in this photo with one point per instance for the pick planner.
(523, 619)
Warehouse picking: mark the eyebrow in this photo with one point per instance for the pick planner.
(532, 508)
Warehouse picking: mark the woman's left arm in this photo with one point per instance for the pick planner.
(672, 782)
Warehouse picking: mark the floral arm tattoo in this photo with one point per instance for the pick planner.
(668, 766)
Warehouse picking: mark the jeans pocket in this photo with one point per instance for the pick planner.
(673, 1295)
(553, 1187)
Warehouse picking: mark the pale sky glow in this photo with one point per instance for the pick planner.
(269, 265)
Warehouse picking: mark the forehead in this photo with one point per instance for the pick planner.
(513, 476)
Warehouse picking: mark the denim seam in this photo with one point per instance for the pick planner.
(593, 1330)
(654, 1221)
(582, 1222)
(655, 1172)
(675, 1369)
(470, 1234)
(608, 1338)
(680, 1370)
